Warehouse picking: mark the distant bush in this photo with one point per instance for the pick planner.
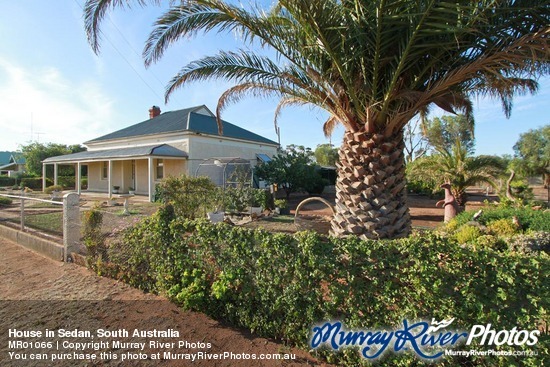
(531, 243)
(50, 189)
(5, 201)
(68, 182)
(529, 219)
(191, 197)
(467, 234)
(35, 183)
(7, 181)
(503, 227)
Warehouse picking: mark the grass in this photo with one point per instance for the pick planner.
(48, 222)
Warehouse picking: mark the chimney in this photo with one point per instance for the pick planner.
(154, 112)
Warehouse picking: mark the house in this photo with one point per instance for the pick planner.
(167, 144)
(11, 163)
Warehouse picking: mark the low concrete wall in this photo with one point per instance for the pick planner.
(47, 248)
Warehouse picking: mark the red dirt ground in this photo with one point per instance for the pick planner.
(38, 293)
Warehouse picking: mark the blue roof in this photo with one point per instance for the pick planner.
(5, 157)
(186, 120)
(163, 150)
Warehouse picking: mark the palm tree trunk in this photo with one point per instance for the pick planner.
(370, 188)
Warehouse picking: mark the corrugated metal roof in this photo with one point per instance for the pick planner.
(5, 157)
(163, 150)
(181, 121)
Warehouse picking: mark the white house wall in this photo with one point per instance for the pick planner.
(203, 147)
(142, 183)
(95, 183)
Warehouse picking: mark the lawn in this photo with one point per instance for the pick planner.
(47, 222)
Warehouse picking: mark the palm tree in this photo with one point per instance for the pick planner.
(457, 167)
(372, 65)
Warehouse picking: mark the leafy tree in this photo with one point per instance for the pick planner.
(372, 65)
(326, 155)
(533, 153)
(36, 152)
(443, 133)
(291, 170)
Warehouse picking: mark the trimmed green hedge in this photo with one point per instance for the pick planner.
(68, 182)
(35, 183)
(5, 201)
(279, 285)
(7, 181)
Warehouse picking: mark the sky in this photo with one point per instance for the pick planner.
(53, 88)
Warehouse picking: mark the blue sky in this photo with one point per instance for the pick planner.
(53, 88)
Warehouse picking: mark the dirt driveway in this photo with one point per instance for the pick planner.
(38, 294)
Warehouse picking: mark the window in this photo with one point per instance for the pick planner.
(104, 170)
(160, 169)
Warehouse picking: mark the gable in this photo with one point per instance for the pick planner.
(5, 157)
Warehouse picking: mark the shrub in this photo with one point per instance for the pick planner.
(35, 183)
(259, 197)
(531, 242)
(238, 199)
(279, 285)
(490, 241)
(502, 227)
(5, 201)
(235, 199)
(191, 197)
(50, 189)
(467, 234)
(7, 181)
(529, 219)
(93, 238)
(315, 185)
(68, 182)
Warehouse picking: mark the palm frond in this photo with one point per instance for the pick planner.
(236, 93)
(239, 67)
(95, 11)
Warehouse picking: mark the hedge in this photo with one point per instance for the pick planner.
(279, 285)
(68, 182)
(7, 181)
(35, 183)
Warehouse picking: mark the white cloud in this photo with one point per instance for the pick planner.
(61, 110)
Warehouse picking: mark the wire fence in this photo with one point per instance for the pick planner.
(29, 211)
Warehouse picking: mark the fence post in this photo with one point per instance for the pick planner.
(22, 213)
(71, 224)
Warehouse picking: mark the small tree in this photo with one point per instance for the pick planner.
(532, 151)
(442, 133)
(326, 155)
(291, 170)
(36, 152)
